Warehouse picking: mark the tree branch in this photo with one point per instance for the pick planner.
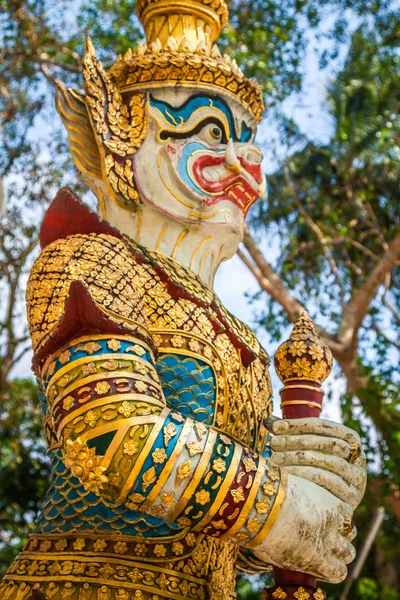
(268, 279)
(356, 309)
(271, 283)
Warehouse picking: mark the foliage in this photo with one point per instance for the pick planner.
(23, 466)
(336, 207)
(333, 209)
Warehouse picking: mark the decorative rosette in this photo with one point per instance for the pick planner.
(303, 355)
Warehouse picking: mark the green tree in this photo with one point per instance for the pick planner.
(23, 466)
(335, 210)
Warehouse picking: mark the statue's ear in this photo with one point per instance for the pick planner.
(72, 109)
(120, 125)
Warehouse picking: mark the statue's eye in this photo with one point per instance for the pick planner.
(216, 132)
(212, 134)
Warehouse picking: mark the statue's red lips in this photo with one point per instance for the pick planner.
(235, 187)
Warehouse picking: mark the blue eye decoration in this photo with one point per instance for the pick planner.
(180, 115)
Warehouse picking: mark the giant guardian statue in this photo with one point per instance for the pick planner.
(168, 473)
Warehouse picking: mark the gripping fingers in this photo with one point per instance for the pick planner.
(352, 474)
(333, 572)
(316, 427)
(335, 446)
(344, 549)
(330, 481)
(353, 534)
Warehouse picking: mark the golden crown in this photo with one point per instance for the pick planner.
(180, 50)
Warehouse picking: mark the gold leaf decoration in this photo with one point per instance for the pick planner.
(194, 448)
(169, 433)
(120, 128)
(279, 594)
(301, 594)
(85, 465)
(183, 471)
(149, 477)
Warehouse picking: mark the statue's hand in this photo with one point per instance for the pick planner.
(324, 452)
(312, 534)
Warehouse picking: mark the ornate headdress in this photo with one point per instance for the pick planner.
(180, 50)
(107, 124)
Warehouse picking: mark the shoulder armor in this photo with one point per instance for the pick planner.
(67, 215)
(82, 284)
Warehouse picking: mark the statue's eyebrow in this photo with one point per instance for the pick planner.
(166, 134)
(179, 115)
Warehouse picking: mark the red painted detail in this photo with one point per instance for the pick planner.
(235, 187)
(297, 392)
(67, 215)
(253, 168)
(290, 582)
(81, 317)
(284, 577)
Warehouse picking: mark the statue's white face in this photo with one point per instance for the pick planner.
(198, 162)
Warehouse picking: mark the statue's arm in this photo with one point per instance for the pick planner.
(121, 440)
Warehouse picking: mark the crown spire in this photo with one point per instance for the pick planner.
(180, 50)
(197, 21)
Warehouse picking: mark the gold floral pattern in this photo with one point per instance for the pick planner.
(279, 594)
(269, 489)
(85, 465)
(159, 455)
(114, 345)
(263, 507)
(297, 348)
(160, 550)
(131, 447)
(99, 545)
(68, 402)
(253, 525)
(91, 418)
(64, 357)
(177, 548)
(301, 594)
(249, 465)
(140, 386)
(167, 498)
(194, 448)
(126, 409)
(120, 548)
(219, 465)
(237, 495)
(79, 544)
(202, 497)
(102, 388)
